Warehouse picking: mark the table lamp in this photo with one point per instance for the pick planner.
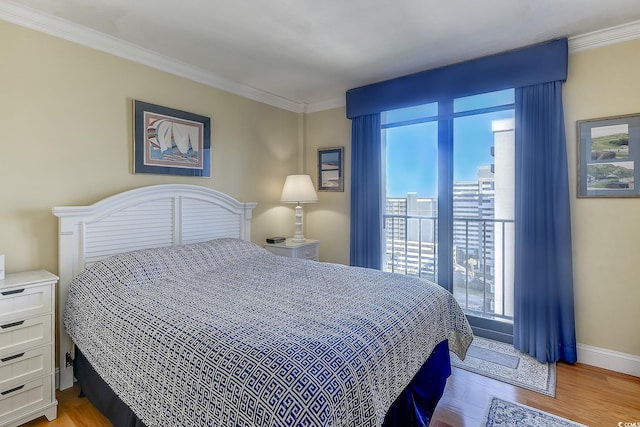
(298, 189)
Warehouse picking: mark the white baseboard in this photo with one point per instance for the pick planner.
(609, 359)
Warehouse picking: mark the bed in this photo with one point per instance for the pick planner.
(179, 319)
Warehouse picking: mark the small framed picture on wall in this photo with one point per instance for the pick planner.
(330, 169)
(609, 156)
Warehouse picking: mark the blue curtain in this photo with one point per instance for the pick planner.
(366, 192)
(544, 324)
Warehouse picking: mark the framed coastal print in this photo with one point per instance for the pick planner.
(609, 156)
(330, 169)
(170, 142)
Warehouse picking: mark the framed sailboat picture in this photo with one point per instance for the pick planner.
(170, 142)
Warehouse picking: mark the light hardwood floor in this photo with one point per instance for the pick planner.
(592, 396)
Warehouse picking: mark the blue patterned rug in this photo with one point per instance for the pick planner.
(509, 414)
(504, 363)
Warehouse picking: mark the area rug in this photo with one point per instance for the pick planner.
(501, 413)
(504, 363)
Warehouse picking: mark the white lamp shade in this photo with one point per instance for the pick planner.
(298, 189)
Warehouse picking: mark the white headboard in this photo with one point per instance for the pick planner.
(147, 217)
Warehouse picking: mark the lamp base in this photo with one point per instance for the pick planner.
(298, 237)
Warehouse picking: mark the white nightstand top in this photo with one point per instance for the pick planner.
(290, 244)
(26, 278)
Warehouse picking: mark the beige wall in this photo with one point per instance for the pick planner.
(606, 232)
(65, 138)
(328, 220)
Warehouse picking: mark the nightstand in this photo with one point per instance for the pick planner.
(305, 250)
(27, 382)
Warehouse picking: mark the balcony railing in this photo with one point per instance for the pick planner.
(482, 259)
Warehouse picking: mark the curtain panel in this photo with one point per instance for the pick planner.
(544, 324)
(366, 193)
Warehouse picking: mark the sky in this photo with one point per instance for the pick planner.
(609, 130)
(411, 159)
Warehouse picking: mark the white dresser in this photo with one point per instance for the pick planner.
(310, 249)
(27, 382)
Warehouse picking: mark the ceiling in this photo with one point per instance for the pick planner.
(304, 54)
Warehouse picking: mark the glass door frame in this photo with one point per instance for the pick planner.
(483, 327)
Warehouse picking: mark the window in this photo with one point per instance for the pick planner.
(410, 137)
(449, 182)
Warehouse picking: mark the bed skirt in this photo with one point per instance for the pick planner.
(413, 408)
(101, 395)
(415, 405)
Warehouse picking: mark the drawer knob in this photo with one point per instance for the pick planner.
(14, 291)
(10, 325)
(4, 393)
(15, 356)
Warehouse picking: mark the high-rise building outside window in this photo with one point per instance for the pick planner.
(454, 157)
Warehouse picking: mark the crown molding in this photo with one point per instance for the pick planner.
(605, 37)
(587, 41)
(329, 104)
(57, 27)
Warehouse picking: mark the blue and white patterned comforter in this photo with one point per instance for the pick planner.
(224, 333)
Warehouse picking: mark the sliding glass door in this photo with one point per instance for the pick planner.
(449, 171)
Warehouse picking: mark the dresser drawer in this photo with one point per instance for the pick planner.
(308, 252)
(18, 368)
(19, 335)
(280, 250)
(22, 302)
(23, 398)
